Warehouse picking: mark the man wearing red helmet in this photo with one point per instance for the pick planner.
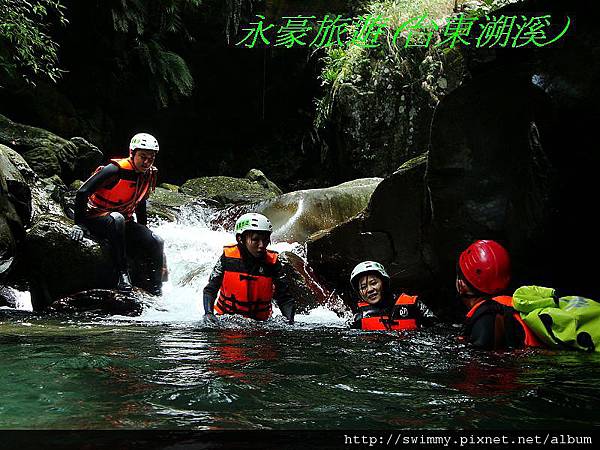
(482, 275)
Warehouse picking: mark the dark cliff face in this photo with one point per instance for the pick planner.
(511, 157)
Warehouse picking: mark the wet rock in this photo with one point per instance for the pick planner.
(57, 266)
(13, 166)
(166, 204)
(390, 231)
(297, 215)
(229, 190)
(101, 301)
(306, 288)
(60, 266)
(489, 178)
(260, 178)
(11, 223)
(48, 154)
(7, 297)
(169, 187)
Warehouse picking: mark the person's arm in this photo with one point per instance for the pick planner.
(104, 178)
(211, 290)
(356, 321)
(141, 213)
(283, 298)
(426, 317)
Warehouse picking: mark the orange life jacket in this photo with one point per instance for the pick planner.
(241, 292)
(131, 188)
(404, 307)
(530, 338)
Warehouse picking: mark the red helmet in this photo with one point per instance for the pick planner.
(486, 265)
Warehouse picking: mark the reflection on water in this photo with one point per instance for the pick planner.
(98, 374)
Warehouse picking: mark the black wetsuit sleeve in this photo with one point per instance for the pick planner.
(141, 213)
(283, 298)
(108, 175)
(426, 317)
(482, 332)
(212, 288)
(356, 324)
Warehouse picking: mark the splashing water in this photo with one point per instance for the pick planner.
(192, 248)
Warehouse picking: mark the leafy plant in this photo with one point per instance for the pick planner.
(149, 26)
(27, 49)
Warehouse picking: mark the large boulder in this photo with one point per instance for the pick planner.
(491, 178)
(390, 230)
(48, 154)
(13, 213)
(228, 190)
(13, 166)
(296, 215)
(58, 266)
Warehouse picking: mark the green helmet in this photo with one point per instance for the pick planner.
(253, 222)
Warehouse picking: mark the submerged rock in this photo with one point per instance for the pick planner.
(101, 301)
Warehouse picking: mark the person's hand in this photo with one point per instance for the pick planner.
(282, 320)
(78, 232)
(210, 319)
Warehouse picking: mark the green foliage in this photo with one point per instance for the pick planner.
(26, 48)
(354, 66)
(149, 26)
(357, 67)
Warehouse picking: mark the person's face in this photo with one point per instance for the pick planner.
(256, 242)
(370, 288)
(143, 159)
(461, 287)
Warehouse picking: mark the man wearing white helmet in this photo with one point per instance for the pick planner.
(106, 202)
(379, 308)
(248, 276)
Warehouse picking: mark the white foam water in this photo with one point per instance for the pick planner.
(192, 248)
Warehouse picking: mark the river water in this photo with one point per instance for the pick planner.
(166, 369)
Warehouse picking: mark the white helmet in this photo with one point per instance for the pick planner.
(143, 141)
(252, 222)
(368, 266)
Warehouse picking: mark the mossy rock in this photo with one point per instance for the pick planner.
(169, 187)
(165, 204)
(229, 190)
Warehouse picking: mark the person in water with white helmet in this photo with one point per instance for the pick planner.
(106, 202)
(247, 276)
(379, 308)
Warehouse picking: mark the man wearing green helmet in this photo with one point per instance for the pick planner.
(248, 276)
